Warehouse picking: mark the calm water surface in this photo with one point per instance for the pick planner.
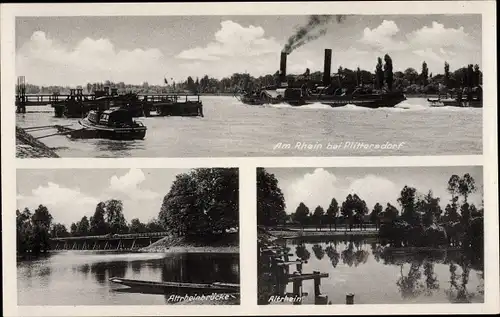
(375, 277)
(81, 277)
(231, 128)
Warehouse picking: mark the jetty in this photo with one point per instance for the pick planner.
(76, 104)
(178, 288)
(275, 262)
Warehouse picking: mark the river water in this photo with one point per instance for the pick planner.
(231, 128)
(360, 267)
(81, 277)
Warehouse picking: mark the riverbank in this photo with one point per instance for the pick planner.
(203, 244)
(29, 147)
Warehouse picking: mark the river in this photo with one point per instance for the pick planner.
(360, 267)
(231, 128)
(81, 277)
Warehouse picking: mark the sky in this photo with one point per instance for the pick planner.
(70, 194)
(76, 50)
(317, 186)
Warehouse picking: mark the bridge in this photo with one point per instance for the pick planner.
(125, 242)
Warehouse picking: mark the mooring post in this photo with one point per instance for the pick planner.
(297, 289)
(349, 299)
(317, 282)
(299, 267)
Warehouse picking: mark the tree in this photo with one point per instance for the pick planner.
(74, 229)
(388, 71)
(317, 216)
(390, 212)
(332, 213)
(354, 206)
(301, 214)
(98, 224)
(411, 75)
(424, 74)
(136, 226)
(41, 224)
(201, 202)
(447, 74)
(379, 74)
(59, 231)
(114, 216)
(466, 186)
(270, 200)
(429, 209)
(477, 76)
(407, 200)
(83, 227)
(375, 214)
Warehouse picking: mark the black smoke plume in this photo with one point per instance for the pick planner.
(307, 32)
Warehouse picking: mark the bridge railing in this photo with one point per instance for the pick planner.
(114, 236)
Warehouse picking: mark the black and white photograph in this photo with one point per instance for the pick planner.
(371, 235)
(248, 85)
(127, 237)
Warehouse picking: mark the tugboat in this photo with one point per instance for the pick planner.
(466, 97)
(114, 123)
(305, 92)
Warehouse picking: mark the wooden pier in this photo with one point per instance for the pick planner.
(275, 261)
(76, 104)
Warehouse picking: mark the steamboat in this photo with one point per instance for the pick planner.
(304, 91)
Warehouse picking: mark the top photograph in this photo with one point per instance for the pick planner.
(239, 86)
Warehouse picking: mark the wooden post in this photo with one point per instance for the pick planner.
(119, 244)
(106, 245)
(317, 282)
(95, 243)
(297, 289)
(349, 299)
(74, 245)
(133, 245)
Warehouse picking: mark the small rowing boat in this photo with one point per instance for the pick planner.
(178, 287)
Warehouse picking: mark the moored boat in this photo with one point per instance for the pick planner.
(467, 98)
(116, 124)
(177, 287)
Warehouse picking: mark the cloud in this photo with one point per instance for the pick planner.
(382, 37)
(437, 36)
(233, 40)
(88, 60)
(66, 205)
(313, 189)
(320, 186)
(128, 186)
(374, 189)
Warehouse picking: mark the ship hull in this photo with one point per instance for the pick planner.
(368, 101)
(96, 131)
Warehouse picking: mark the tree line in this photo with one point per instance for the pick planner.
(201, 202)
(416, 210)
(409, 81)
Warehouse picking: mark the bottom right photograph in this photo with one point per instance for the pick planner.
(370, 235)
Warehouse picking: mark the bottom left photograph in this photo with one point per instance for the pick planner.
(128, 236)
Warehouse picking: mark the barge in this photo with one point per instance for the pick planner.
(305, 91)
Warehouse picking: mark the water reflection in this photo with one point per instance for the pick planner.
(62, 278)
(430, 276)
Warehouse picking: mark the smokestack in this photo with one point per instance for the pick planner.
(283, 67)
(328, 67)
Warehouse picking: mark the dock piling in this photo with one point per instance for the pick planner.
(349, 299)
